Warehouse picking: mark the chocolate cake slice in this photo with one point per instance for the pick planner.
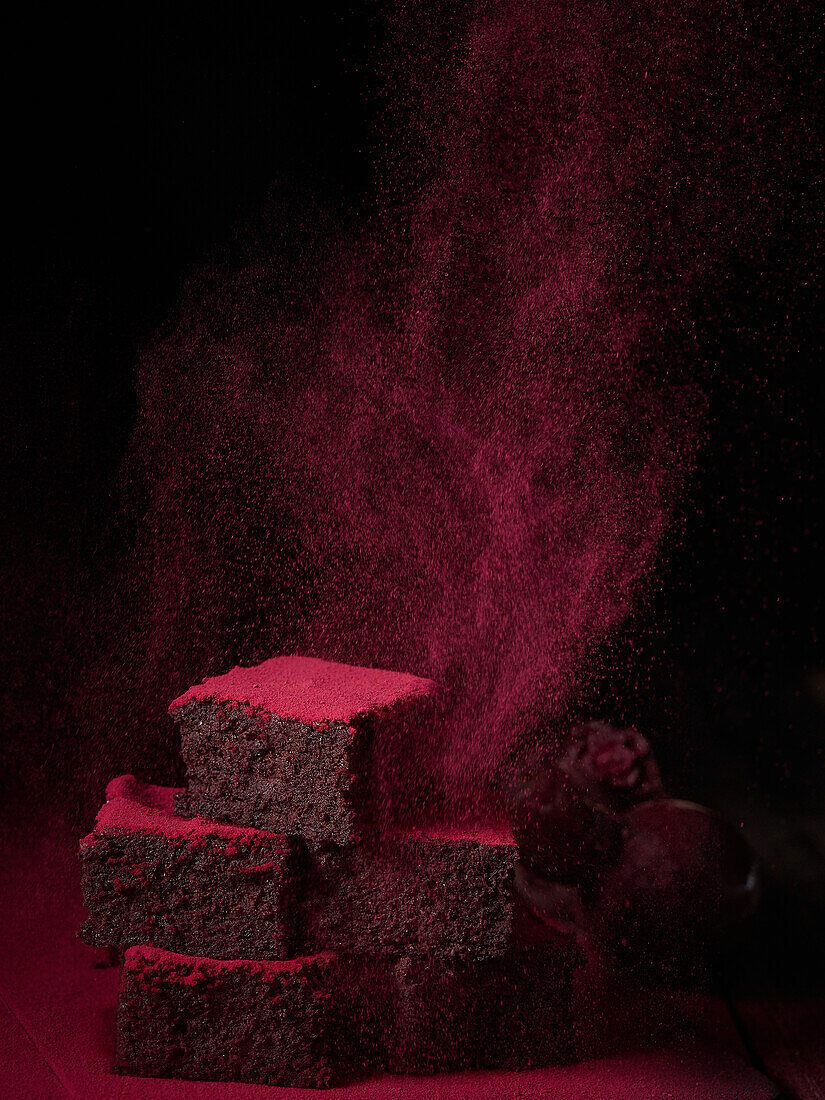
(440, 888)
(461, 1011)
(152, 877)
(308, 1022)
(296, 745)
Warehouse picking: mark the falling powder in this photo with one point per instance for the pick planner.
(447, 440)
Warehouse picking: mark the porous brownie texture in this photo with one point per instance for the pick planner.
(321, 1020)
(440, 888)
(461, 1011)
(306, 1022)
(152, 877)
(295, 745)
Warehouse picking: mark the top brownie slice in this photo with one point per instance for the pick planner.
(290, 745)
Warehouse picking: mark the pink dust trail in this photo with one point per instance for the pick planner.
(448, 438)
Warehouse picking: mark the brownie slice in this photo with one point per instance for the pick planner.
(324, 1019)
(307, 1022)
(152, 877)
(439, 888)
(296, 745)
(459, 1011)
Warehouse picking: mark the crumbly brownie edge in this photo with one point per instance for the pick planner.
(188, 885)
(255, 769)
(308, 1022)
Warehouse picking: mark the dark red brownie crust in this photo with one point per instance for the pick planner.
(288, 746)
(307, 1022)
(150, 876)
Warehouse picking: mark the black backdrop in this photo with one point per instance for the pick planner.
(135, 150)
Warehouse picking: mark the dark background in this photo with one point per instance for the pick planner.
(135, 151)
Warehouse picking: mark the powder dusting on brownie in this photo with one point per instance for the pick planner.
(181, 967)
(147, 794)
(121, 814)
(310, 690)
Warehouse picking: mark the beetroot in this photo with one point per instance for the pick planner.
(567, 809)
(684, 878)
(616, 763)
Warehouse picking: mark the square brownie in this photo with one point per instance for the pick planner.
(307, 1022)
(296, 745)
(461, 1011)
(438, 887)
(152, 877)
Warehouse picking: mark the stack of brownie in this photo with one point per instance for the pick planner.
(278, 927)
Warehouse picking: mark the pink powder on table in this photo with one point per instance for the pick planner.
(309, 690)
